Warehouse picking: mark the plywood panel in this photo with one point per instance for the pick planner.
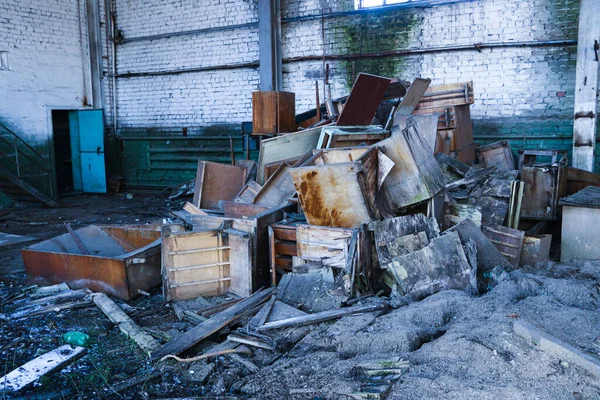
(365, 96)
(277, 190)
(331, 195)
(215, 182)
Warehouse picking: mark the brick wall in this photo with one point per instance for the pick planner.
(48, 65)
(512, 78)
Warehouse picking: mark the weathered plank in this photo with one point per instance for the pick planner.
(125, 324)
(322, 316)
(508, 241)
(212, 325)
(40, 366)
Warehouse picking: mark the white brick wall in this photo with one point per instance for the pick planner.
(47, 63)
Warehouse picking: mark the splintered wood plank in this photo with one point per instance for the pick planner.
(215, 182)
(331, 195)
(40, 366)
(285, 147)
(365, 96)
(211, 325)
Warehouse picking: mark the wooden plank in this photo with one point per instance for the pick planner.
(463, 135)
(40, 366)
(415, 92)
(215, 182)
(497, 154)
(448, 95)
(578, 179)
(192, 209)
(557, 347)
(126, 325)
(277, 190)
(440, 266)
(331, 195)
(284, 232)
(286, 112)
(241, 264)
(322, 316)
(212, 325)
(286, 147)
(286, 248)
(365, 96)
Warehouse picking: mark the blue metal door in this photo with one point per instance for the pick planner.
(87, 151)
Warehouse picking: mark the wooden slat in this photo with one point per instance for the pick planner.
(286, 248)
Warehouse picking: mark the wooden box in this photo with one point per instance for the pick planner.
(122, 260)
(204, 263)
(273, 113)
(497, 155)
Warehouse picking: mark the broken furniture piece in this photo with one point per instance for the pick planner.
(273, 113)
(507, 240)
(216, 182)
(497, 154)
(350, 136)
(122, 260)
(535, 249)
(580, 227)
(205, 263)
(282, 242)
(455, 128)
(545, 183)
(365, 96)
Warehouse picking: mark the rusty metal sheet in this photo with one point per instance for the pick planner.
(366, 94)
(112, 271)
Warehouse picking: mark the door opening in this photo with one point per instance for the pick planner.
(62, 151)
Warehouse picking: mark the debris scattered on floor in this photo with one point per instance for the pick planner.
(366, 256)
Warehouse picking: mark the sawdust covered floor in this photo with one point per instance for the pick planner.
(459, 347)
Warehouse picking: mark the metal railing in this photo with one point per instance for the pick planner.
(26, 164)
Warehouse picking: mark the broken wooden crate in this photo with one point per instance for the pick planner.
(256, 226)
(497, 154)
(121, 260)
(205, 263)
(545, 183)
(216, 182)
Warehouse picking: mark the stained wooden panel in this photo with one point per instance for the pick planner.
(215, 182)
(326, 245)
(497, 155)
(331, 195)
(364, 98)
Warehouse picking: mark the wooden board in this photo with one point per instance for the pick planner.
(331, 195)
(40, 366)
(410, 101)
(232, 209)
(277, 190)
(578, 179)
(350, 136)
(325, 245)
(497, 155)
(507, 240)
(286, 147)
(440, 266)
(365, 96)
(448, 95)
(241, 266)
(415, 176)
(215, 181)
(194, 263)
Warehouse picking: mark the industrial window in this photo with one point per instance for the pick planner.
(361, 4)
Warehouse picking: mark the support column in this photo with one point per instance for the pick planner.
(269, 44)
(586, 85)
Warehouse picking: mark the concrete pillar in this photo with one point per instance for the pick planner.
(586, 85)
(95, 49)
(269, 44)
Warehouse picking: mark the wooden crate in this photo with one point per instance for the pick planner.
(273, 113)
